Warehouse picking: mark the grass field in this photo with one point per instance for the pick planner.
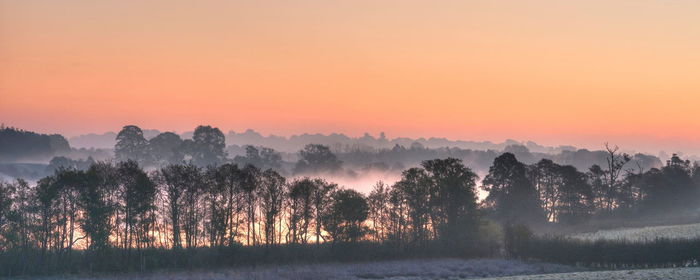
(404, 269)
(689, 231)
(684, 273)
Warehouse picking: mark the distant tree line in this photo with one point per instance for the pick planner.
(17, 144)
(207, 147)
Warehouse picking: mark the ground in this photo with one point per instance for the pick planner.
(403, 269)
(428, 269)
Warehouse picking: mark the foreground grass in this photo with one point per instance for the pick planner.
(401, 269)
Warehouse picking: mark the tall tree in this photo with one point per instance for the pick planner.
(271, 193)
(249, 183)
(575, 196)
(132, 145)
(136, 195)
(178, 180)
(207, 146)
(413, 193)
(511, 194)
(344, 217)
(94, 200)
(378, 203)
(321, 200)
(166, 148)
(301, 208)
(453, 199)
(229, 179)
(615, 163)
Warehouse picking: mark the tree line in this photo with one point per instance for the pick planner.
(546, 192)
(17, 144)
(183, 207)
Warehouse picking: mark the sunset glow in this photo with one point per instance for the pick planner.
(556, 72)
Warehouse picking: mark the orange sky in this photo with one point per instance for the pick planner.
(556, 72)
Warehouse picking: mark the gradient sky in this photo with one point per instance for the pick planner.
(556, 72)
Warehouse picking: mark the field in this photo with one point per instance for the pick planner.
(689, 231)
(685, 273)
(404, 269)
(487, 269)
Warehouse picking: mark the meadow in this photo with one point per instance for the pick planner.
(687, 231)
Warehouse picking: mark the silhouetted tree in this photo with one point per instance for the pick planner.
(344, 217)
(454, 214)
(615, 163)
(17, 144)
(575, 196)
(413, 192)
(206, 147)
(263, 158)
(511, 193)
(249, 184)
(378, 203)
(94, 200)
(178, 180)
(301, 208)
(136, 194)
(321, 200)
(229, 179)
(271, 193)
(317, 158)
(131, 144)
(166, 148)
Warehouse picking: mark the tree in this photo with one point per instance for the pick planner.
(669, 188)
(301, 208)
(100, 180)
(271, 193)
(46, 196)
(16, 215)
(321, 200)
(317, 158)
(343, 219)
(228, 178)
(165, 148)
(511, 194)
(413, 193)
(575, 196)
(215, 204)
(7, 192)
(206, 147)
(546, 179)
(132, 145)
(596, 179)
(453, 199)
(378, 203)
(178, 180)
(68, 184)
(249, 183)
(615, 163)
(136, 195)
(263, 158)
(17, 144)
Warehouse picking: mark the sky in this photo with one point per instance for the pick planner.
(579, 72)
